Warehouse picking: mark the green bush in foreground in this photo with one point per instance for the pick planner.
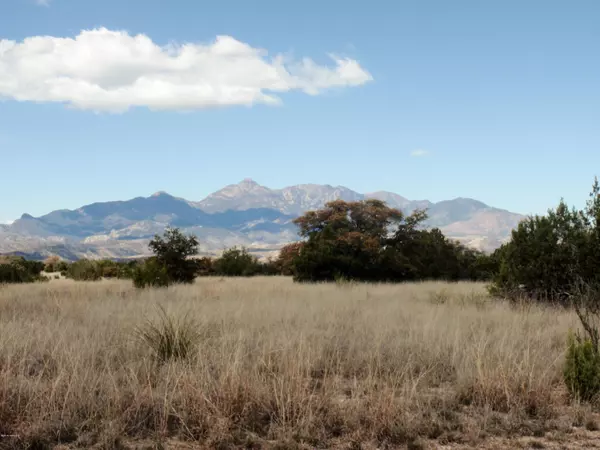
(582, 368)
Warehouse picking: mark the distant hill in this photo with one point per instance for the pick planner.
(240, 214)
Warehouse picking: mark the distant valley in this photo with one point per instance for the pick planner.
(244, 214)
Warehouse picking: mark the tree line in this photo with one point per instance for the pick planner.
(546, 257)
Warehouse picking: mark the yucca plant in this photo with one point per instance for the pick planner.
(169, 337)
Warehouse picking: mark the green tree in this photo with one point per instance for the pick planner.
(549, 256)
(174, 250)
(344, 240)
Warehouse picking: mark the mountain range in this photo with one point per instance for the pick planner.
(243, 214)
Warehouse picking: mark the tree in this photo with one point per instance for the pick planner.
(367, 240)
(549, 256)
(344, 239)
(287, 256)
(173, 251)
(355, 240)
(51, 264)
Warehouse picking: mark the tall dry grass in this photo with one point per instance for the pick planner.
(277, 364)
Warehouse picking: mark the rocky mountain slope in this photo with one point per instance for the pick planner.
(240, 214)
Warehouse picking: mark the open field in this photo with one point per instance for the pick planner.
(285, 366)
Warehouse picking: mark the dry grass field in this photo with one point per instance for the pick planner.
(279, 365)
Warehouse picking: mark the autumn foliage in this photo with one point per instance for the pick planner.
(367, 240)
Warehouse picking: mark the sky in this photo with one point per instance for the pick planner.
(109, 100)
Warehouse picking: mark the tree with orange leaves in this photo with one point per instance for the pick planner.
(348, 239)
(369, 241)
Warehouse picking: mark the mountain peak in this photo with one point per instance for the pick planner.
(249, 182)
(159, 193)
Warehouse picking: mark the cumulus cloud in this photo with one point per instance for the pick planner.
(106, 70)
(419, 152)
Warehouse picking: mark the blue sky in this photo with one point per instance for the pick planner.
(498, 101)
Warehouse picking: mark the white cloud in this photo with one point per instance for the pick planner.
(418, 153)
(107, 70)
(43, 2)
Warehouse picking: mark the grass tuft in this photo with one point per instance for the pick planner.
(169, 337)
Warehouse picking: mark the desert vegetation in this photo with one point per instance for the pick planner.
(382, 334)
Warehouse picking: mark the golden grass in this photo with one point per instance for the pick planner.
(279, 365)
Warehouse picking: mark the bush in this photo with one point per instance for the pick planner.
(19, 270)
(237, 262)
(582, 368)
(151, 273)
(169, 338)
(84, 270)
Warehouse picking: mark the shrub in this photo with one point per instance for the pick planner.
(582, 368)
(19, 270)
(84, 270)
(169, 338)
(237, 262)
(151, 273)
